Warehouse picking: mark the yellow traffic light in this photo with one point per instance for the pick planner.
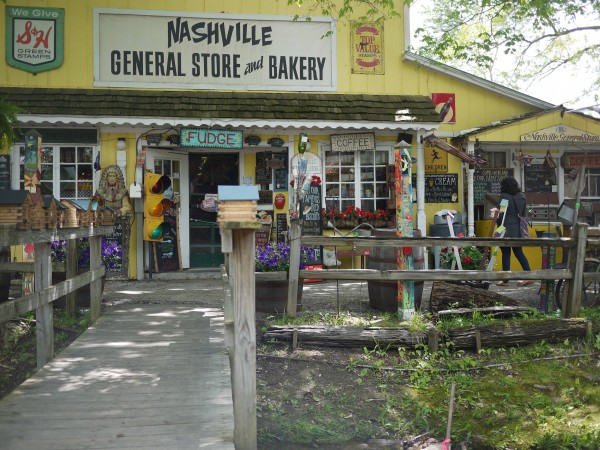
(156, 188)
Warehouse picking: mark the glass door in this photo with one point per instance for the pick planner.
(175, 166)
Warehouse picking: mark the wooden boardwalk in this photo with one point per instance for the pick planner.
(143, 377)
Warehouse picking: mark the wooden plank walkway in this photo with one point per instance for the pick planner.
(145, 376)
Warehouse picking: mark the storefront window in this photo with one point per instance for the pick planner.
(356, 179)
(67, 172)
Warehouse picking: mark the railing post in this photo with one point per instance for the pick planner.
(95, 242)
(573, 287)
(294, 239)
(71, 272)
(44, 319)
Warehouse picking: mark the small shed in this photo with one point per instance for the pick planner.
(15, 206)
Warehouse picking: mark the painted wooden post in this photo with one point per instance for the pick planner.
(573, 288)
(238, 223)
(44, 319)
(71, 272)
(294, 239)
(404, 225)
(96, 285)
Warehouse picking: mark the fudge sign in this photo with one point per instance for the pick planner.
(162, 49)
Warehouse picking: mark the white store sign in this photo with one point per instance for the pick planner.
(166, 49)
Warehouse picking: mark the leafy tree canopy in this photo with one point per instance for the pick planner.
(8, 120)
(512, 42)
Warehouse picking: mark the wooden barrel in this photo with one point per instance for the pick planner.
(383, 295)
(271, 296)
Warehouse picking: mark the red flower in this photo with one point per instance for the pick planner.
(292, 183)
(331, 215)
(444, 250)
(342, 216)
(467, 260)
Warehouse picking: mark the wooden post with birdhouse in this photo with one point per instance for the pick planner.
(237, 223)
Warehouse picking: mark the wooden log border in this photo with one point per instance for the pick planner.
(514, 333)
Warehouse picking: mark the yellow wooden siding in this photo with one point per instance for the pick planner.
(475, 106)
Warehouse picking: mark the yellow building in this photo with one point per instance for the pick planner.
(222, 92)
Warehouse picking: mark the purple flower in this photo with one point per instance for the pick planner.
(275, 256)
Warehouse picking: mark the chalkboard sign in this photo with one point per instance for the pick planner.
(263, 234)
(440, 188)
(119, 237)
(310, 213)
(281, 227)
(4, 171)
(166, 253)
(488, 180)
(535, 177)
(263, 173)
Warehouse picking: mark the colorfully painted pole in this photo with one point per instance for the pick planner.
(404, 227)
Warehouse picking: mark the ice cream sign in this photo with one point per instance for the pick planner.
(34, 38)
(213, 51)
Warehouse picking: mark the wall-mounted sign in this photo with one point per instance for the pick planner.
(577, 160)
(445, 105)
(440, 188)
(560, 133)
(436, 159)
(4, 172)
(34, 38)
(367, 48)
(354, 142)
(207, 138)
(165, 49)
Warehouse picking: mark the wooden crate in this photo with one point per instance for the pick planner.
(15, 206)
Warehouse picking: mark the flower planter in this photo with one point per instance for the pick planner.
(271, 294)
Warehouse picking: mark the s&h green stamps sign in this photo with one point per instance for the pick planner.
(34, 38)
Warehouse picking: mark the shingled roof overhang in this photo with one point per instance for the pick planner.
(231, 109)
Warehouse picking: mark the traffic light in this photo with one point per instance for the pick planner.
(157, 201)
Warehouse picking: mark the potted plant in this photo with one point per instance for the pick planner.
(111, 254)
(271, 289)
(470, 259)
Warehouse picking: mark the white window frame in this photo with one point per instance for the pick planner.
(17, 181)
(357, 200)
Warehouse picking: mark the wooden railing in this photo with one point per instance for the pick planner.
(573, 274)
(44, 292)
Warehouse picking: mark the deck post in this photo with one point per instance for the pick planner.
(238, 223)
(96, 285)
(44, 318)
(294, 234)
(71, 272)
(574, 286)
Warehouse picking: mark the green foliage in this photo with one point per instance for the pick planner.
(8, 122)
(539, 36)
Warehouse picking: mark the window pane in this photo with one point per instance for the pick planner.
(84, 154)
(68, 190)
(67, 154)
(47, 188)
(47, 155)
(68, 172)
(158, 166)
(47, 172)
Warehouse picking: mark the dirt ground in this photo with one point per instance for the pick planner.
(290, 385)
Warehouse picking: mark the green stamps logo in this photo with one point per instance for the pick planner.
(34, 38)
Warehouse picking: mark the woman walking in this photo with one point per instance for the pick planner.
(517, 207)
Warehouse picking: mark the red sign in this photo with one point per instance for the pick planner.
(575, 160)
(280, 201)
(445, 105)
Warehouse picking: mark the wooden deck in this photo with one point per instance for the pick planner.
(143, 377)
